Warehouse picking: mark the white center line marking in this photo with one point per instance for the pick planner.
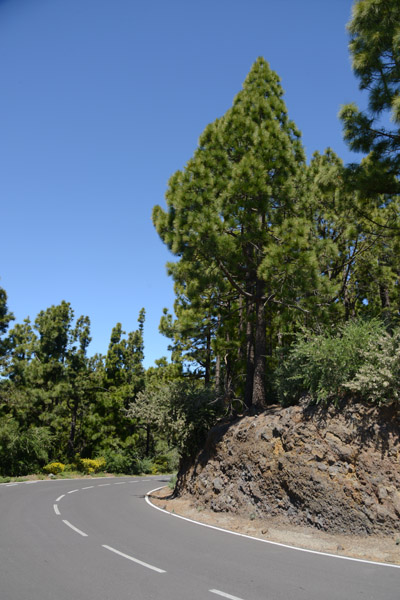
(59, 498)
(120, 483)
(89, 487)
(72, 491)
(224, 595)
(103, 484)
(56, 509)
(75, 528)
(139, 562)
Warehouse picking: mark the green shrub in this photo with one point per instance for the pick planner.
(121, 462)
(54, 467)
(321, 366)
(182, 411)
(378, 378)
(160, 465)
(172, 482)
(68, 467)
(22, 451)
(145, 465)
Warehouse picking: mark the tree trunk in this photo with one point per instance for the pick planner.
(242, 332)
(72, 431)
(259, 351)
(248, 389)
(385, 303)
(148, 440)
(218, 367)
(208, 360)
(228, 379)
(218, 375)
(349, 306)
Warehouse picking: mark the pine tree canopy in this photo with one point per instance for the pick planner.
(238, 206)
(375, 48)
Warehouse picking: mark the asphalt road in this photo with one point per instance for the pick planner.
(99, 540)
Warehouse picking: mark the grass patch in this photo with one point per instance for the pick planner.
(172, 482)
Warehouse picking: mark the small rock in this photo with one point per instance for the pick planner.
(382, 493)
(319, 454)
(218, 485)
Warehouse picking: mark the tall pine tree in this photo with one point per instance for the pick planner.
(238, 206)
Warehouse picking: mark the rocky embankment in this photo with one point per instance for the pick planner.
(337, 470)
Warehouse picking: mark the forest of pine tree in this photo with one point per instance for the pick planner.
(286, 277)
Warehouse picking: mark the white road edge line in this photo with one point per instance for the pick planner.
(250, 537)
(136, 560)
(59, 498)
(75, 528)
(224, 595)
(56, 509)
(11, 484)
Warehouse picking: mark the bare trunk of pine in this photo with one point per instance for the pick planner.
(208, 359)
(248, 390)
(218, 367)
(385, 303)
(72, 430)
(259, 350)
(242, 331)
(228, 380)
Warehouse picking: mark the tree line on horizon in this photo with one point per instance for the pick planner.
(286, 283)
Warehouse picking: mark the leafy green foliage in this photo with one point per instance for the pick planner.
(5, 318)
(52, 386)
(282, 273)
(375, 49)
(182, 411)
(327, 365)
(122, 461)
(237, 211)
(378, 378)
(23, 451)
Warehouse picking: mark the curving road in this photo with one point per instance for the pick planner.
(99, 540)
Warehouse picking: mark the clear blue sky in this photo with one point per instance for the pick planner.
(102, 101)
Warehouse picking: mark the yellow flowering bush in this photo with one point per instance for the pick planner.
(91, 465)
(160, 465)
(54, 467)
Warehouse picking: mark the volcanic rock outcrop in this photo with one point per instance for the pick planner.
(337, 469)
